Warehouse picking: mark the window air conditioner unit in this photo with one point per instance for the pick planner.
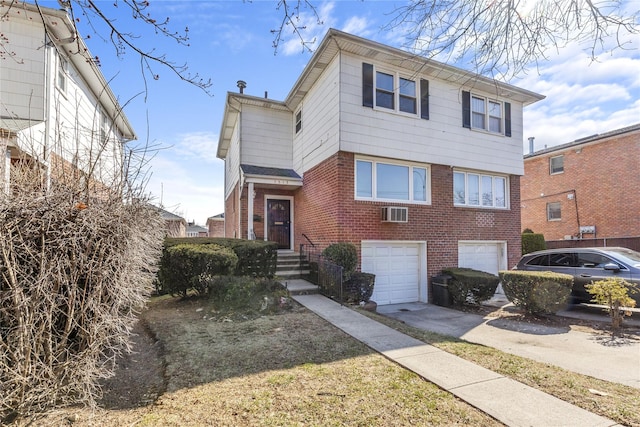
(395, 214)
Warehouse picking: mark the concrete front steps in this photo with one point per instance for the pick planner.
(290, 266)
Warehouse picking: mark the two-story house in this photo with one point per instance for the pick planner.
(416, 162)
(584, 189)
(56, 110)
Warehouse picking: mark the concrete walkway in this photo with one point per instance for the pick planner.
(508, 401)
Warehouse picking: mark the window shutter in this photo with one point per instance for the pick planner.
(507, 119)
(424, 99)
(466, 109)
(367, 85)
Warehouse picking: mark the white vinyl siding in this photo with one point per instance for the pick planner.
(439, 140)
(320, 138)
(266, 137)
(232, 163)
(23, 81)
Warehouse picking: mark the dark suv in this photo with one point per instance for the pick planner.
(586, 265)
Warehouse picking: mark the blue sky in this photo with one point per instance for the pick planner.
(232, 40)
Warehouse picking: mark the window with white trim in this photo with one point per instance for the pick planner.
(486, 114)
(61, 80)
(299, 121)
(104, 127)
(556, 165)
(554, 211)
(482, 113)
(480, 190)
(396, 93)
(376, 180)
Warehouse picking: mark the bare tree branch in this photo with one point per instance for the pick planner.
(506, 36)
(291, 19)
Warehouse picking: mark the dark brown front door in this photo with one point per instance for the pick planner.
(279, 222)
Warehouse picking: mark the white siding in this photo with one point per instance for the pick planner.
(66, 123)
(439, 140)
(319, 138)
(75, 121)
(232, 163)
(22, 77)
(266, 137)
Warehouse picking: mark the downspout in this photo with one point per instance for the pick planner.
(250, 233)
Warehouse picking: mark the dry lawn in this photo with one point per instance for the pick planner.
(290, 369)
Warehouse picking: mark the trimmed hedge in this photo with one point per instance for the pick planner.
(537, 292)
(256, 258)
(470, 287)
(343, 254)
(187, 266)
(359, 287)
(532, 242)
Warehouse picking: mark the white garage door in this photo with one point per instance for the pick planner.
(483, 256)
(397, 269)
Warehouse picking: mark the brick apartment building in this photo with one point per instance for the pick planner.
(584, 189)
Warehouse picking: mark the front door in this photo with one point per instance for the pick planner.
(279, 222)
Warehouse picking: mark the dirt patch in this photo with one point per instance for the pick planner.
(139, 377)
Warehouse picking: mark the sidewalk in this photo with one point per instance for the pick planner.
(508, 401)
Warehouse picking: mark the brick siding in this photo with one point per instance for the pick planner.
(599, 187)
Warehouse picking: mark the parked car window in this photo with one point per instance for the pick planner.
(539, 260)
(589, 260)
(562, 260)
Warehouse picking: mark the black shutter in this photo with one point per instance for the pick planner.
(507, 119)
(424, 99)
(466, 109)
(367, 85)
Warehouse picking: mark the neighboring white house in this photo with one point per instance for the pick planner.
(56, 108)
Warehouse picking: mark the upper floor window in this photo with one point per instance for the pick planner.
(104, 127)
(481, 190)
(298, 121)
(389, 90)
(556, 164)
(479, 112)
(61, 80)
(554, 211)
(377, 180)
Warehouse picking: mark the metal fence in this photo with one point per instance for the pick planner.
(625, 242)
(323, 273)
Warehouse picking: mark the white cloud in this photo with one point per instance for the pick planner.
(357, 25)
(194, 146)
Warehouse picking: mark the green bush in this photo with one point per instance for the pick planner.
(537, 292)
(345, 255)
(359, 287)
(186, 267)
(470, 287)
(614, 294)
(256, 258)
(532, 242)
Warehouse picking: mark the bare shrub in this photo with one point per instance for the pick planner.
(76, 265)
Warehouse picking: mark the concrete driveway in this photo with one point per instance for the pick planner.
(588, 353)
